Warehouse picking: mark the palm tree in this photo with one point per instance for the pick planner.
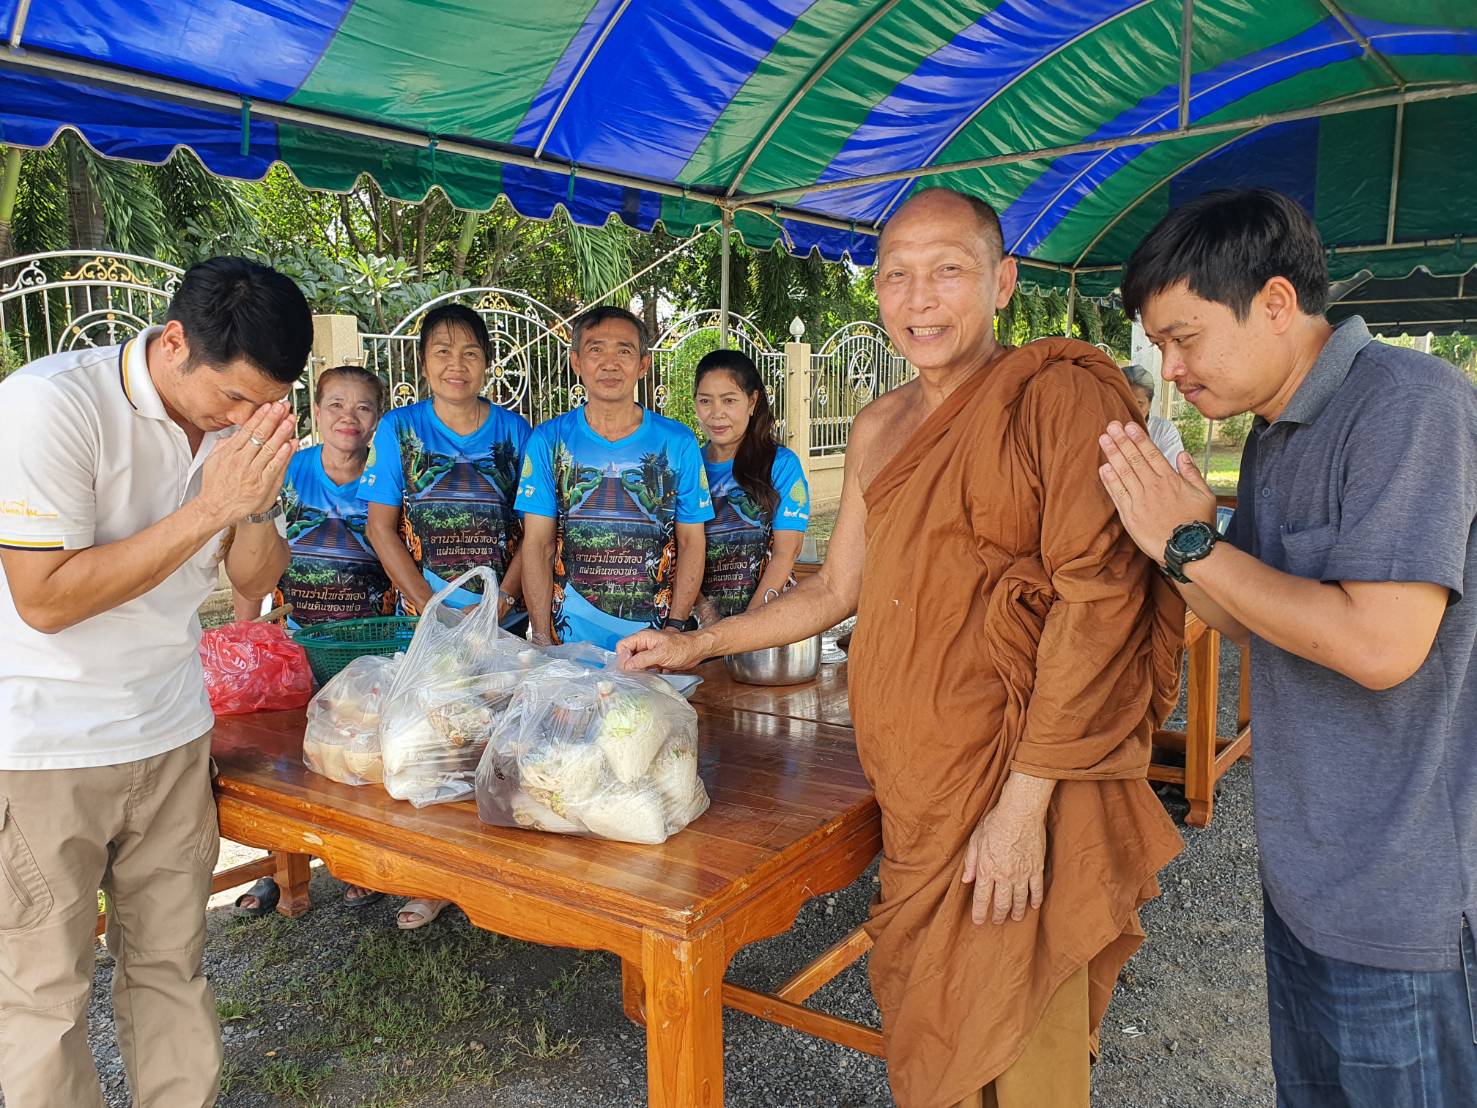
(68, 197)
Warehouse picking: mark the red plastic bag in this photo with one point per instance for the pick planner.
(254, 667)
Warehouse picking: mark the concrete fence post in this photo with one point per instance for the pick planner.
(797, 402)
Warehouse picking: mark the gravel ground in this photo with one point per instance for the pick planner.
(339, 1009)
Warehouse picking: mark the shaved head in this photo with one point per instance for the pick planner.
(933, 203)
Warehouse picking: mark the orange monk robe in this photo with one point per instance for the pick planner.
(1006, 622)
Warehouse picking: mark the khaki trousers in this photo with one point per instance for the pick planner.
(1054, 1071)
(145, 833)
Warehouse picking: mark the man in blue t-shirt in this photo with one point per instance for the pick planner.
(614, 498)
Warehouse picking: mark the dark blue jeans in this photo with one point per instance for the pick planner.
(1352, 1036)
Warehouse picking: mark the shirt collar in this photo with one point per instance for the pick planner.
(1329, 371)
(134, 379)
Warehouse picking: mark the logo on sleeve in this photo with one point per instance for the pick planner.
(527, 468)
(797, 491)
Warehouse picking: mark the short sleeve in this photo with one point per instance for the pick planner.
(793, 513)
(536, 491)
(694, 501)
(519, 431)
(383, 481)
(48, 460)
(1409, 489)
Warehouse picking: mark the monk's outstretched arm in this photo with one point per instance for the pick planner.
(816, 604)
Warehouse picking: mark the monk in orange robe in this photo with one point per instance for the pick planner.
(1012, 654)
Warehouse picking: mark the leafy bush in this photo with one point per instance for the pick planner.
(1192, 429)
(679, 374)
(1233, 431)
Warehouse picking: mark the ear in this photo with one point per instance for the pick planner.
(1278, 304)
(1006, 277)
(174, 344)
(645, 363)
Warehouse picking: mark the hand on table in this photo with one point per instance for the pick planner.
(664, 650)
(1152, 498)
(243, 475)
(1006, 861)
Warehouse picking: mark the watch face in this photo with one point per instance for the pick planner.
(1192, 540)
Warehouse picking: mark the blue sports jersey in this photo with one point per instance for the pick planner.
(334, 573)
(617, 506)
(456, 491)
(741, 531)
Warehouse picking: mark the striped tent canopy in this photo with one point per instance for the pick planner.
(804, 121)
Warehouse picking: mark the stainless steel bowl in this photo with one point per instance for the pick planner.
(777, 665)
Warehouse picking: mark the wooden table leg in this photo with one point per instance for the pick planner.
(293, 876)
(684, 1019)
(633, 992)
(1200, 713)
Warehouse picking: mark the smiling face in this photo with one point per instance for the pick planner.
(609, 362)
(1221, 365)
(454, 363)
(723, 408)
(347, 414)
(209, 397)
(940, 281)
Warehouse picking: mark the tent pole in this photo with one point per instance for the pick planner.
(1187, 38)
(1395, 173)
(1071, 302)
(18, 24)
(724, 266)
(10, 176)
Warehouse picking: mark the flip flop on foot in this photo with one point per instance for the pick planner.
(418, 913)
(260, 899)
(356, 896)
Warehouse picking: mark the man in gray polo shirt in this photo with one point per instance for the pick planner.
(1346, 567)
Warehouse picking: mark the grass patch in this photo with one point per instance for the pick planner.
(542, 1047)
(386, 1017)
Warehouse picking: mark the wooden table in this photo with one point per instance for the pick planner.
(1207, 757)
(792, 818)
(823, 700)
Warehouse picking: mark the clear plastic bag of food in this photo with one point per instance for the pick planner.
(342, 737)
(586, 749)
(459, 674)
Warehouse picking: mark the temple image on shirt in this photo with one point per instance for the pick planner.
(738, 548)
(334, 573)
(617, 541)
(458, 510)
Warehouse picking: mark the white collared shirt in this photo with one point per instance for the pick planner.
(89, 456)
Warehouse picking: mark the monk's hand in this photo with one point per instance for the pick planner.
(660, 650)
(1006, 856)
(1152, 497)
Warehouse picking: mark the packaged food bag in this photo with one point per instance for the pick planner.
(253, 667)
(342, 737)
(586, 749)
(459, 674)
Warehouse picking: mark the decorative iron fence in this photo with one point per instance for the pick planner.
(675, 354)
(67, 299)
(852, 368)
(530, 370)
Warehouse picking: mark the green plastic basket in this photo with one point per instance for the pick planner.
(332, 646)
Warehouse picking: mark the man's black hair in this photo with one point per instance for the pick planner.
(455, 315)
(233, 308)
(604, 313)
(1226, 245)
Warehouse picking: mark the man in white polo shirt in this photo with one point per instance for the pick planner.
(119, 495)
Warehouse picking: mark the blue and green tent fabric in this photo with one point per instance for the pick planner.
(1081, 121)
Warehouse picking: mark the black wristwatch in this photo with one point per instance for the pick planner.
(1188, 543)
(688, 624)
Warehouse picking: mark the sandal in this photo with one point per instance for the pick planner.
(266, 893)
(423, 910)
(366, 897)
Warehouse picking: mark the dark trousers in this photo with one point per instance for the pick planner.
(1351, 1036)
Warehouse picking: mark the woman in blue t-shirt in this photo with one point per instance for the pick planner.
(334, 573)
(443, 473)
(761, 502)
(440, 486)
